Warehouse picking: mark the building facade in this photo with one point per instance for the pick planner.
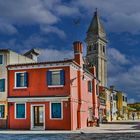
(114, 107)
(7, 57)
(59, 95)
(134, 111)
(102, 103)
(122, 105)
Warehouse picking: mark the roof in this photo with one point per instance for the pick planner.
(35, 51)
(45, 62)
(96, 27)
(4, 50)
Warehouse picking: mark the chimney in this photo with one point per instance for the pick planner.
(78, 52)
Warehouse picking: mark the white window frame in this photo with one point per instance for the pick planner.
(2, 59)
(60, 78)
(61, 111)
(15, 86)
(4, 111)
(16, 110)
(32, 115)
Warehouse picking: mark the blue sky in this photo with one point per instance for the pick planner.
(49, 25)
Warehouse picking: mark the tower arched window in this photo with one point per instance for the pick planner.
(89, 48)
(103, 49)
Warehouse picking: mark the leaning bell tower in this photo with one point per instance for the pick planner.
(96, 41)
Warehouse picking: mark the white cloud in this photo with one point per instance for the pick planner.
(32, 12)
(8, 29)
(120, 16)
(25, 11)
(118, 57)
(131, 100)
(123, 73)
(33, 41)
(51, 29)
(64, 10)
(54, 55)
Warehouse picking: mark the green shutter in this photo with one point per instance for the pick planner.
(1, 59)
(62, 77)
(49, 77)
(18, 80)
(2, 85)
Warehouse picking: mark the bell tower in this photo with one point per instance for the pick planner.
(96, 41)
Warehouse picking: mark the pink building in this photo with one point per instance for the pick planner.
(52, 95)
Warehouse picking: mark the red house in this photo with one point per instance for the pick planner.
(59, 95)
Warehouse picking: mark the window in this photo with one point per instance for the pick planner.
(123, 98)
(2, 111)
(1, 59)
(56, 111)
(2, 85)
(56, 78)
(20, 111)
(21, 79)
(89, 86)
(95, 47)
(103, 49)
(114, 97)
(97, 89)
(89, 48)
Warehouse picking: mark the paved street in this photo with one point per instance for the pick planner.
(122, 130)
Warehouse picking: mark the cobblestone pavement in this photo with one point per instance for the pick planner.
(122, 130)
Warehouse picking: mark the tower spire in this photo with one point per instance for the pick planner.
(96, 28)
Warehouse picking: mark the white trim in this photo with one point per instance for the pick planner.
(2, 60)
(20, 87)
(15, 82)
(61, 111)
(55, 65)
(15, 110)
(53, 86)
(32, 117)
(38, 67)
(4, 111)
(38, 99)
(57, 70)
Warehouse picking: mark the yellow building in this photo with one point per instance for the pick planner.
(9, 57)
(108, 104)
(134, 108)
(122, 105)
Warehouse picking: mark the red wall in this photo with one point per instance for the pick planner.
(37, 84)
(76, 110)
(64, 124)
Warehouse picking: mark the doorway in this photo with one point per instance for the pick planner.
(38, 117)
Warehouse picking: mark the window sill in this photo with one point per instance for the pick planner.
(55, 86)
(56, 118)
(3, 118)
(20, 118)
(20, 87)
(2, 91)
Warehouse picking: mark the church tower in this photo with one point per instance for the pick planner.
(96, 48)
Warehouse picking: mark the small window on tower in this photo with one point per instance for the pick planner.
(103, 49)
(89, 48)
(95, 47)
